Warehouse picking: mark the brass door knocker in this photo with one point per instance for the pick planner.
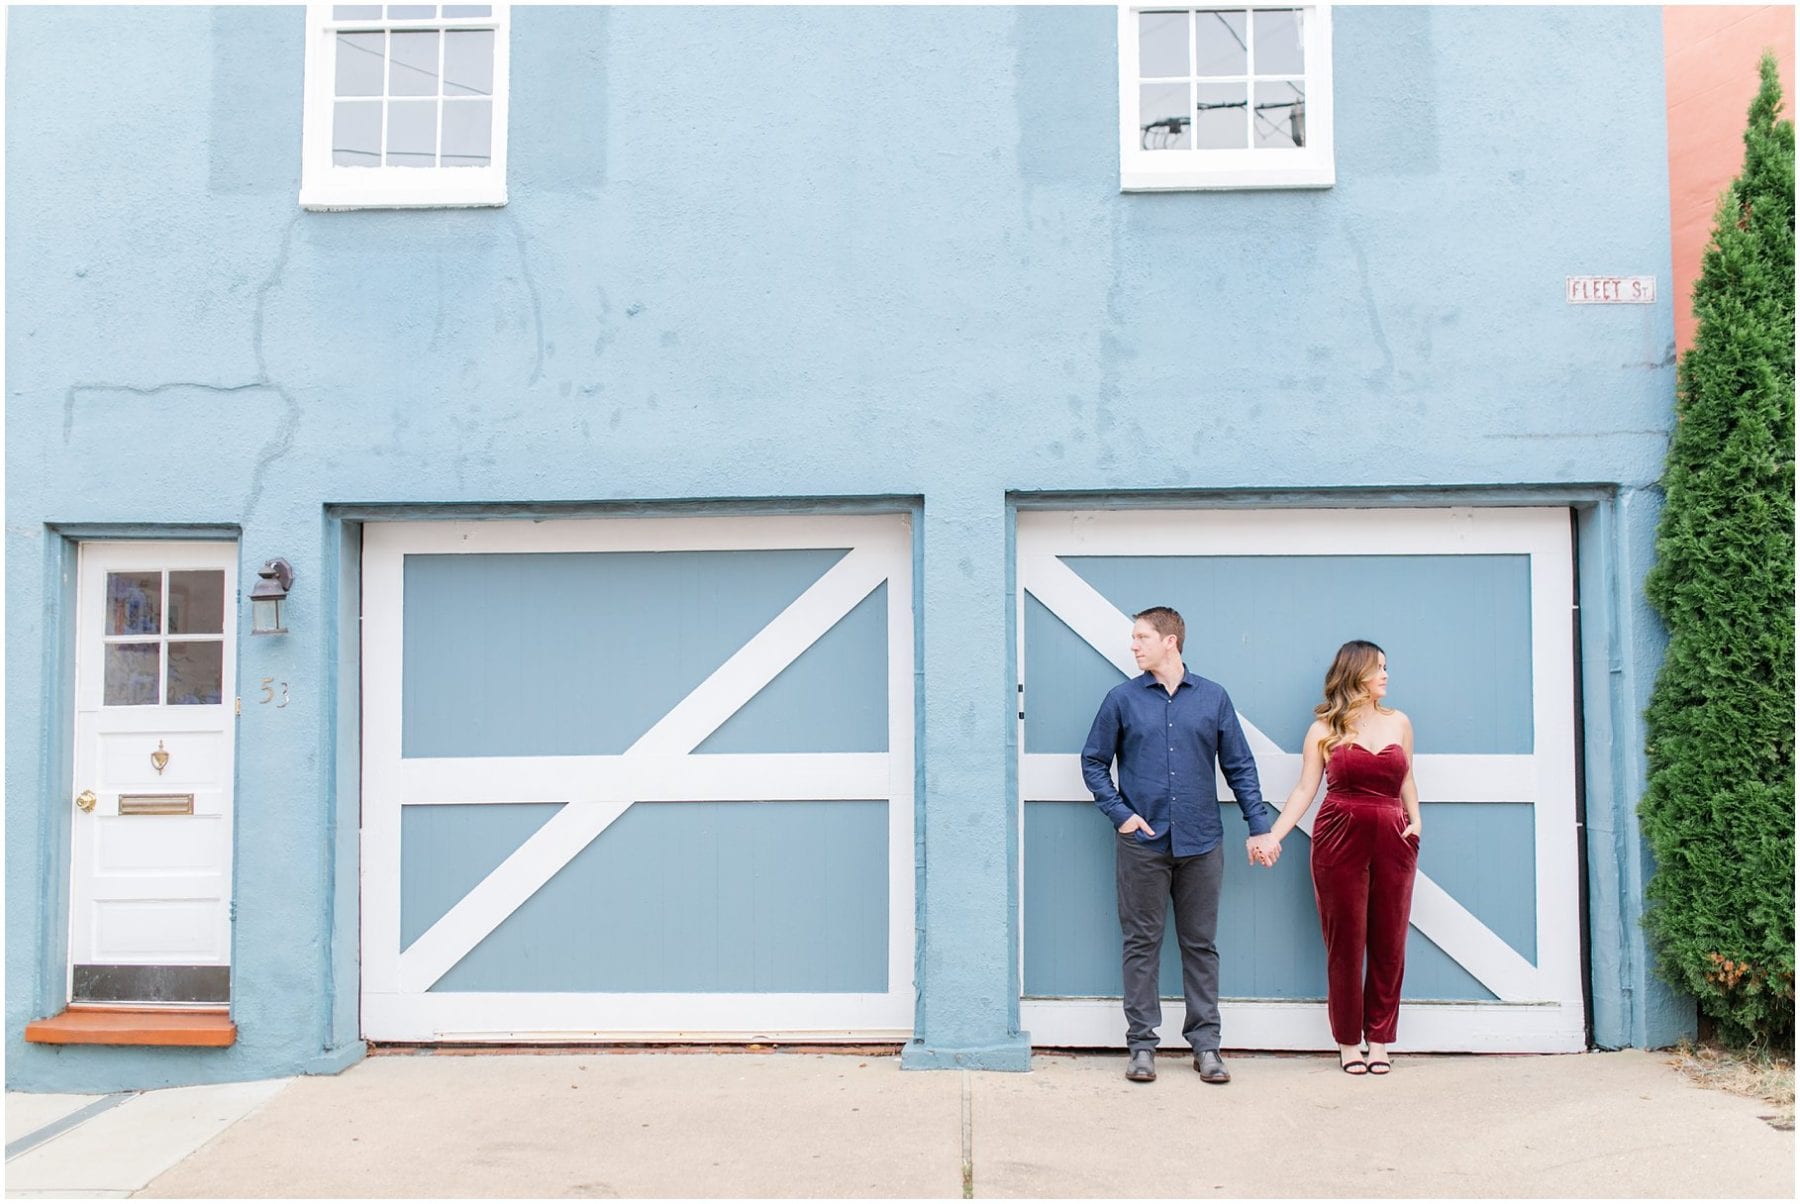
(160, 758)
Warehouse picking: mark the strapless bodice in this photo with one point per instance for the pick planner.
(1355, 770)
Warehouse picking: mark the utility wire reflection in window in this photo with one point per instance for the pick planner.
(1286, 129)
(1249, 62)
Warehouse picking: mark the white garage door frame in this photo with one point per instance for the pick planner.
(397, 1002)
(1539, 1007)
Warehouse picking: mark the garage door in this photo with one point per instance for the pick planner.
(1473, 608)
(638, 779)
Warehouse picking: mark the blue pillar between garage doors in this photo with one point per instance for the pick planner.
(968, 986)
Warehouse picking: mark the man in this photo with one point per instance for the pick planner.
(1167, 727)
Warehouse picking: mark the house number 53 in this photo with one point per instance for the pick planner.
(270, 687)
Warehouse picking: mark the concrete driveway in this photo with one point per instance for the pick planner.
(788, 1124)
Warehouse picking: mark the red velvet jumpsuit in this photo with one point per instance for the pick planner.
(1362, 871)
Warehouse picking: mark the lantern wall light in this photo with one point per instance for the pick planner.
(274, 579)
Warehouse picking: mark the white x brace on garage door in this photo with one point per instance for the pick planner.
(1430, 575)
(701, 884)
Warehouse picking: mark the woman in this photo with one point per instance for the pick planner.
(1365, 847)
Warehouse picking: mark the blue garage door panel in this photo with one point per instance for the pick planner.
(576, 653)
(705, 896)
(1065, 679)
(834, 699)
(1432, 974)
(446, 851)
(1484, 855)
(1456, 629)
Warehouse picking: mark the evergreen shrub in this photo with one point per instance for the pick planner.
(1719, 809)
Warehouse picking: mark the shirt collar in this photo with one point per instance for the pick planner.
(1148, 678)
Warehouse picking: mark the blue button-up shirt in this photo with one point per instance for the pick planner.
(1166, 745)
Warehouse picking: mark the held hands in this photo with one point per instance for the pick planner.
(1262, 850)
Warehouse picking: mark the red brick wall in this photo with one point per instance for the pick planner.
(1710, 57)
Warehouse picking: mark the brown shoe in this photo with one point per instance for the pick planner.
(1142, 1067)
(1211, 1066)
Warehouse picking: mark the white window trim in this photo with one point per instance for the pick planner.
(1311, 166)
(325, 185)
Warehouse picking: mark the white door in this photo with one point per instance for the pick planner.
(638, 778)
(1473, 608)
(155, 662)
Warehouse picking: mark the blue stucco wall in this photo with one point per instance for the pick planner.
(766, 253)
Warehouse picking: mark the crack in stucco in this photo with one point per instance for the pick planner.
(537, 309)
(283, 440)
(1368, 295)
(1667, 361)
(71, 395)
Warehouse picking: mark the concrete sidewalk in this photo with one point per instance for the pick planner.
(772, 1124)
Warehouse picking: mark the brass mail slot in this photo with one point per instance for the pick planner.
(156, 804)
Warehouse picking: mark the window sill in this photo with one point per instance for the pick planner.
(1201, 179)
(400, 192)
(328, 202)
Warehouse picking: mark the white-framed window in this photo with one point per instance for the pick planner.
(1230, 96)
(405, 106)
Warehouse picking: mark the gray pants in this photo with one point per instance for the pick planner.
(1148, 879)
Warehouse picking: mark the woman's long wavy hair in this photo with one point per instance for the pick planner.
(1354, 662)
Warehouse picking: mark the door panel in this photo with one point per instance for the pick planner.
(794, 900)
(175, 844)
(576, 653)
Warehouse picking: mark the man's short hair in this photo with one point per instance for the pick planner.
(1167, 621)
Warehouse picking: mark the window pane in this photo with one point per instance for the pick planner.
(412, 133)
(356, 134)
(131, 675)
(356, 12)
(1278, 47)
(1219, 117)
(467, 133)
(1162, 44)
(197, 602)
(1219, 43)
(411, 12)
(1163, 116)
(133, 603)
(195, 670)
(413, 55)
(469, 62)
(1280, 117)
(468, 10)
(360, 58)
